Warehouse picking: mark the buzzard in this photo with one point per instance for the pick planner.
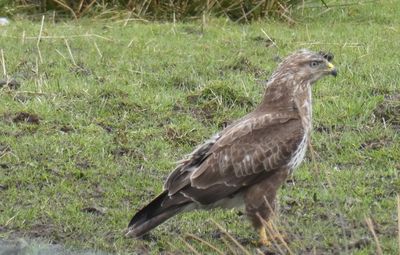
(248, 161)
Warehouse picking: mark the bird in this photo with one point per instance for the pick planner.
(248, 161)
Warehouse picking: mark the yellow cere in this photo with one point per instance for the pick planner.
(330, 66)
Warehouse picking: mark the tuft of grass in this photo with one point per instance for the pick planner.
(177, 10)
(103, 110)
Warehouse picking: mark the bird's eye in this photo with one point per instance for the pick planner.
(314, 63)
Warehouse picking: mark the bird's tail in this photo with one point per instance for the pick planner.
(151, 216)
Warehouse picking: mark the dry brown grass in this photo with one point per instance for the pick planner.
(173, 10)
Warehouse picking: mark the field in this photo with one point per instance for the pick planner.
(101, 110)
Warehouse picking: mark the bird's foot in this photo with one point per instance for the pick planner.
(265, 241)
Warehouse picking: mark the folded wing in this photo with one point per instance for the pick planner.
(240, 156)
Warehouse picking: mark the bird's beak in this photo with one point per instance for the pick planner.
(332, 70)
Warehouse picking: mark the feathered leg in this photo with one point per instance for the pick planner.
(260, 202)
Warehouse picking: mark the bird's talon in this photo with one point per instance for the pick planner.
(264, 242)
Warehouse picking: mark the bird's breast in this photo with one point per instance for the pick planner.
(299, 153)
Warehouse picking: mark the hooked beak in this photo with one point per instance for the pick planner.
(331, 69)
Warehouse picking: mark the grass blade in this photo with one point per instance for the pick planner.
(371, 228)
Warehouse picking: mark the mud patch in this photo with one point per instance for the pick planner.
(66, 129)
(43, 230)
(128, 152)
(358, 244)
(107, 127)
(94, 210)
(388, 112)
(204, 112)
(174, 134)
(375, 144)
(83, 164)
(81, 69)
(26, 117)
(321, 128)
(4, 166)
(10, 84)
(26, 69)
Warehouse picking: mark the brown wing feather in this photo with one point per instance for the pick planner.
(267, 151)
(240, 156)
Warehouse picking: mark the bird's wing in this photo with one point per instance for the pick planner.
(238, 157)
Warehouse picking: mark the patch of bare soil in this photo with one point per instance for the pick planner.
(94, 210)
(108, 128)
(42, 230)
(375, 144)
(388, 112)
(360, 243)
(26, 117)
(83, 164)
(175, 135)
(66, 129)
(81, 69)
(10, 83)
(196, 112)
(328, 129)
(121, 151)
(25, 69)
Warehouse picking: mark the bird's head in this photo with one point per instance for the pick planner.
(308, 66)
(295, 74)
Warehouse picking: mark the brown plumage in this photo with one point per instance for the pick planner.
(248, 161)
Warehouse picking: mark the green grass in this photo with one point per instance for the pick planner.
(103, 127)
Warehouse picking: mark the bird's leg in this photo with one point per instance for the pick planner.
(263, 237)
(273, 233)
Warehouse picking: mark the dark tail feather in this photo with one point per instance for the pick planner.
(151, 216)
